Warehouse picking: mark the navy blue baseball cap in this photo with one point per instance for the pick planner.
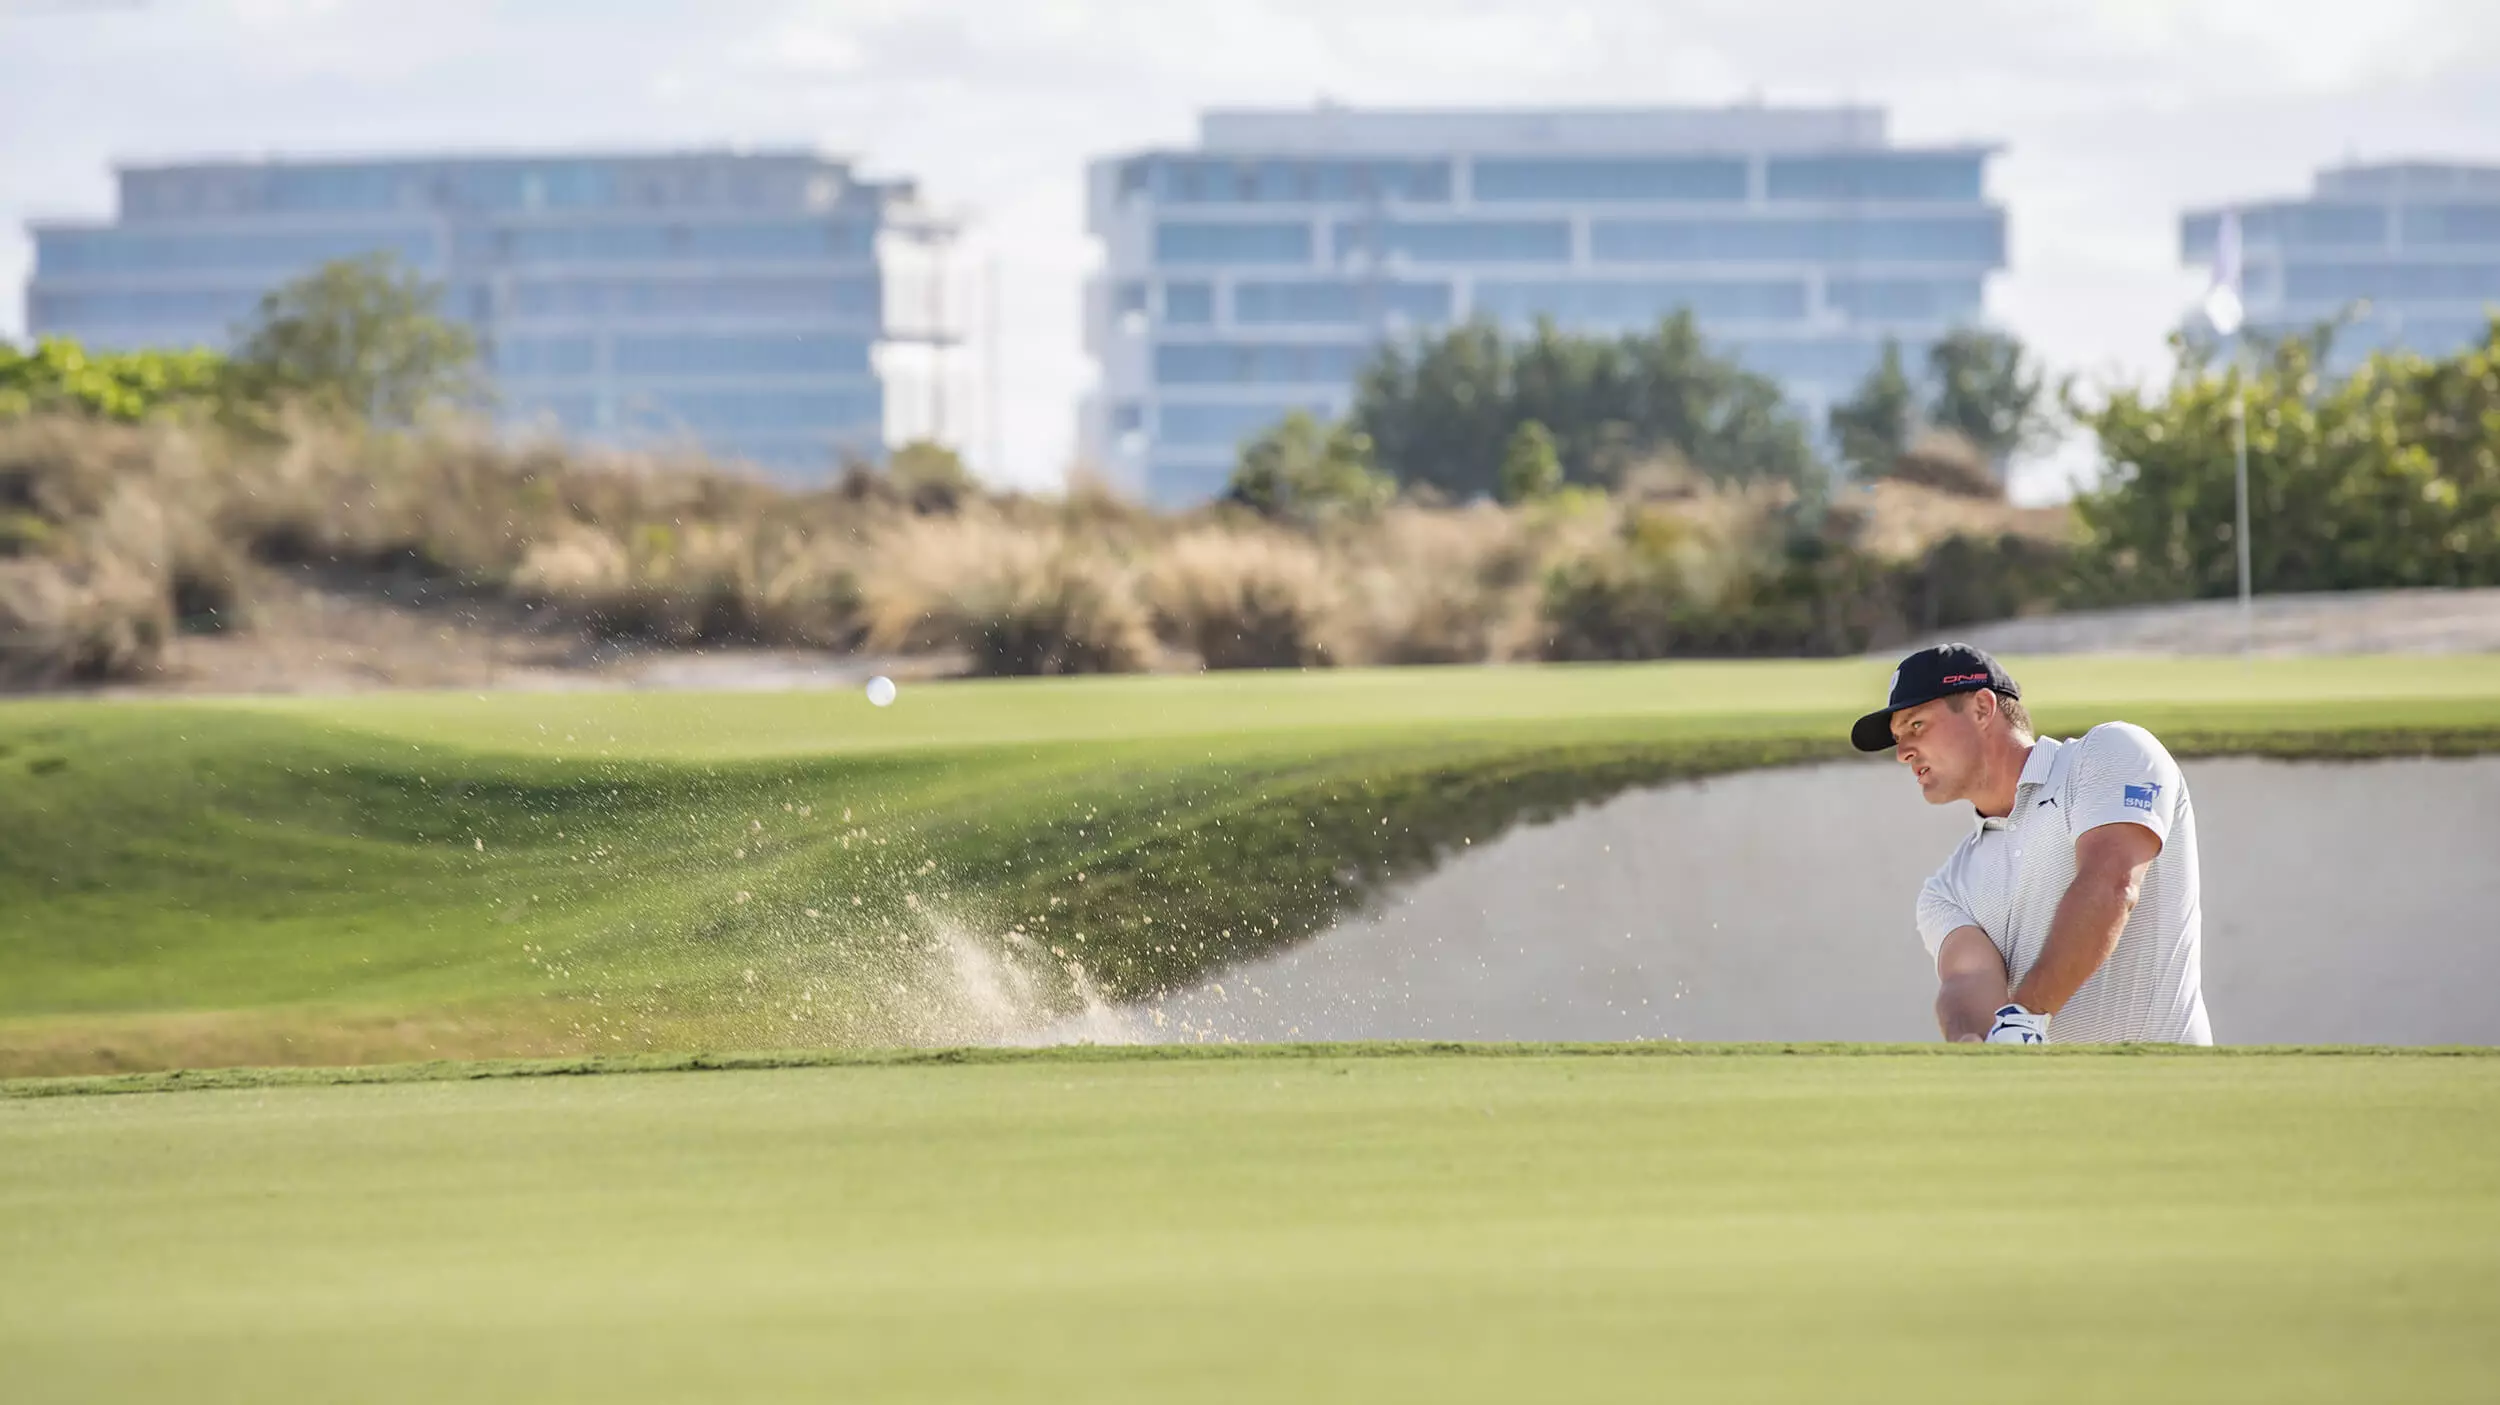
(1926, 676)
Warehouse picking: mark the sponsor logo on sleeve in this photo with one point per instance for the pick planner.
(2141, 797)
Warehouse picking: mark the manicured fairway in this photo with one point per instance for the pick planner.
(1633, 1227)
(413, 875)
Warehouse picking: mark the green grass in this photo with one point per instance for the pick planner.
(292, 881)
(1320, 1227)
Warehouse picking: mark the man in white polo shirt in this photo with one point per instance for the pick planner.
(2071, 912)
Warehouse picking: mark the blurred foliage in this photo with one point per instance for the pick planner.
(1983, 391)
(60, 376)
(1873, 427)
(1991, 392)
(1442, 410)
(2388, 477)
(931, 476)
(1530, 467)
(1301, 470)
(363, 336)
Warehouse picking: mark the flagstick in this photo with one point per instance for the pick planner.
(2239, 534)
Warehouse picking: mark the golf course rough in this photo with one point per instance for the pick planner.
(1310, 1225)
(444, 875)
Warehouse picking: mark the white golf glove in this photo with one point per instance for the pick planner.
(2016, 1025)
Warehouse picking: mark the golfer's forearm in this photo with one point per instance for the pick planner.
(1967, 1005)
(2081, 936)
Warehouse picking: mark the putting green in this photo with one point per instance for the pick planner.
(1712, 1226)
(412, 875)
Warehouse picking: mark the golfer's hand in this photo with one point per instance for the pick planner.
(2016, 1025)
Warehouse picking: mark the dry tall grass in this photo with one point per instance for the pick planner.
(112, 538)
(1246, 597)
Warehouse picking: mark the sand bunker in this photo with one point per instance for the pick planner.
(2344, 902)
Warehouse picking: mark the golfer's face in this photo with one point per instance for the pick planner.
(1938, 745)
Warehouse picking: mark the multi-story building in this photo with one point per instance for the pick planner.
(2402, 254)
(1254, 274)
(745, 303)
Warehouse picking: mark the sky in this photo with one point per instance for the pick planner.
(2112, 115)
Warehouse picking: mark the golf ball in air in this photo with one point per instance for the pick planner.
(881, 690)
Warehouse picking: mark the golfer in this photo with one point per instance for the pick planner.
(2071, 911)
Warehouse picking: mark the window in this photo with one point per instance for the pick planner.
(2451, 224)
(1129, 295)
(1183, 180)
(2391, 282)
(792, 354)
(543, 356)
(60, 251)
(813, 239)
(741, 411)
(1458, 241)
(1127, 417)
(1909, 239)
(2301, 226)
(1201, 242)
(1875, 176)
(1226, 425)
(67, 312)
(1683, 178)
(1619, 303)
(1841, 361)
(1256, 363)
(2444, 336)
(1170, 484)
(1903, 299)
(1189, 304)
(316, 188)
(851, 299)
(1338, 303)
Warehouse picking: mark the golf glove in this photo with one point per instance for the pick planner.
(2016, 1025)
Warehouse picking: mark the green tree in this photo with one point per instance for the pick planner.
(1872, 428)
(1530, 467)
(1306, 471)
(1442, 410)
(362, 335)
(932, 476)
(1989, 391)
(2388, 477)
(60, 376)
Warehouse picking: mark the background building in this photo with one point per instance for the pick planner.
(1252, 275)
(770, 307)
(2405, 255)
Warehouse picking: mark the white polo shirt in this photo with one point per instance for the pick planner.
(2007, 877)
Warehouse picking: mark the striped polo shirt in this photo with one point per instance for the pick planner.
(2007, 877)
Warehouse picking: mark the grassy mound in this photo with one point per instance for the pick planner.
(423, 875)
(1320, 1228)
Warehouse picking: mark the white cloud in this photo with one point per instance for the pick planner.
(2114, 113)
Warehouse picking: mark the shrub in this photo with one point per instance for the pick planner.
(1243, 599)
(1949, 463)
(1448, 586)
(61, 377)
(1017, 601)
(1304, 471)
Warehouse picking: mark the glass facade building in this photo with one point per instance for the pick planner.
(2401, 255)
(737, 301)
(1253, 275)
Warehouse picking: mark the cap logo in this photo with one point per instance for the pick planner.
(1893, 688)
(1952, 678)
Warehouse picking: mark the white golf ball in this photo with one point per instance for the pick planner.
(881, 690)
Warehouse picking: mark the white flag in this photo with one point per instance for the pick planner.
(2223, 307)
